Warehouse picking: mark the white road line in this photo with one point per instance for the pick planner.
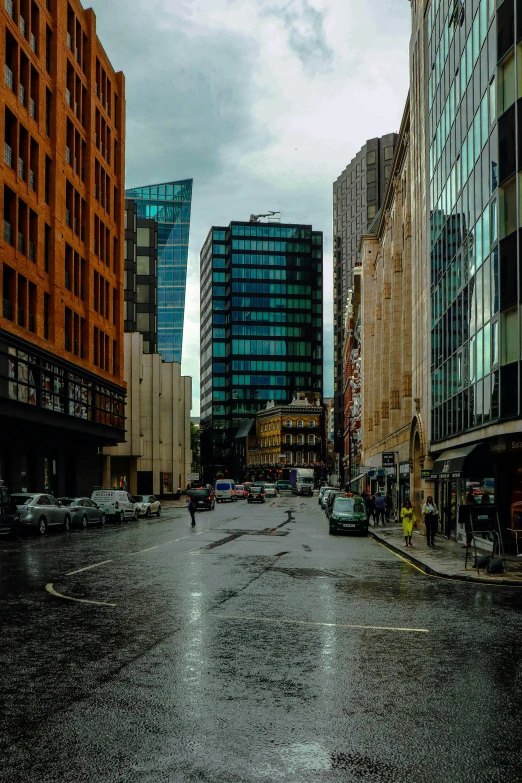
(324, 625)
(88, 568)
(143, 550)
(50, 589)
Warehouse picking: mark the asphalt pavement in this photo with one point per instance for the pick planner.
(253, 647)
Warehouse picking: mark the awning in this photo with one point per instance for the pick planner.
(357, 478)
(450, 464)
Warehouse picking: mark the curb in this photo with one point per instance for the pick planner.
(432, 572)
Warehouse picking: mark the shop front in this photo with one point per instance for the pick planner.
(404, 483)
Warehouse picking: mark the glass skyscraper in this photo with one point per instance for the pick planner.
(170, 205)
(261, 327)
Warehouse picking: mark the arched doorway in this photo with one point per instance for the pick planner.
(417, 462)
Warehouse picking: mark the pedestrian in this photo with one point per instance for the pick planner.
(388, 502)
(380, 509)
(431, 519)
(408, 521)
(370, 508)
(193, 507)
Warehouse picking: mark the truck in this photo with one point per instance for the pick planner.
(302, 481)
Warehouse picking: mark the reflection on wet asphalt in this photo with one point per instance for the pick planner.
(253, 648)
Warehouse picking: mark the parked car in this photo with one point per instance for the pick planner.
(205, 497)
(225, 490)
(147, 505)
(270, 491)
(283, 486)
(322, 492)
(240, 491)
(331, 499)
(256, 495)
(84, 512)
(39, 512)
(348, 515)
(117, 504)
(10, 524)
(325, 496)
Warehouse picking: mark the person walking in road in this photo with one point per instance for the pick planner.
(370, 508)
(408, 521)
(380, 510)
(431, 520)
(193, 507)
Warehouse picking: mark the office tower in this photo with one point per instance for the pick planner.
(61, 266)
(357, 198)
(261, 327)
(141, 279)
(169, 204)
(466, 96)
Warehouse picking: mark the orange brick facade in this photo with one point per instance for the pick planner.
(62, 196)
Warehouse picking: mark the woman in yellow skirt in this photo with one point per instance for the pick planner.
(408, 520)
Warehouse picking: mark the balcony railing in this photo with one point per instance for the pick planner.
(21, 168)
(32, 108)
(32, 251)
(32, 180)
(21, 94)
(21, 24)
(32, 42)
(9, 80)
(7, 309)
(9, 7)
(8, 154)
(69, 41)
(68, 95)
(68, 155)
(8, 232)
(21, 243)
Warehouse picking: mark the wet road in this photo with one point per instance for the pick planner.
(253, 648)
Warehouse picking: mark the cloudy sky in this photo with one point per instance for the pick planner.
(262, 102)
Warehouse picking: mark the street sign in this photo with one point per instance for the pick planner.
(426, 474)
(372, 473)
(388, 459)
(193, 477)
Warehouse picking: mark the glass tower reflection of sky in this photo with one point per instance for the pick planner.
(170, 205)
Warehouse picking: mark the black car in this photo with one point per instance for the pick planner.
(10, 524)
(256, 494)
(205, 498)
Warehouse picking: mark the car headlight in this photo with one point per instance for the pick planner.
(335, 517)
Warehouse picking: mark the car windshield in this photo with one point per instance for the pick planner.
(22, 500)
(349, 505)
(239, 487)
(256, 490)
(223, 485)
(138, 498)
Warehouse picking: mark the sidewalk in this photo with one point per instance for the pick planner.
(446, 559)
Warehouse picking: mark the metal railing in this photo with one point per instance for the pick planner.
(32, 251)
(32, 42)
(8, 154)
(69, 40)
(68, 155)
(68, 95)
(21, 24)
(21, 243)
(8, 232)
(9, 79)
(9, 7)
(21, 94)
(21, 168)
(67, 217)
(32, 108)
(32, 180)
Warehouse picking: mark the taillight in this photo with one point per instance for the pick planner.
(74, 509)
(117, 505)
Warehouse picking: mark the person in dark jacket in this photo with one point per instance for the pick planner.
(193, 507)
(380, 510)
(370, 508)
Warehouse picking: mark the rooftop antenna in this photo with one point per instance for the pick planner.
(273, 217)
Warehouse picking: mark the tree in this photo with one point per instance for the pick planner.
(195, 446)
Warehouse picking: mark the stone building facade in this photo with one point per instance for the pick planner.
(387, 330)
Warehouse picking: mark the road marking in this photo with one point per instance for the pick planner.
(405, 560)
(143, 550)
(50, 589)
(87, 568)
(323, 625)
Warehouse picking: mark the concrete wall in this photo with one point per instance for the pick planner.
(158, 417)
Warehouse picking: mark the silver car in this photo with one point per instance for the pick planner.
(84, 512)
(39, 512)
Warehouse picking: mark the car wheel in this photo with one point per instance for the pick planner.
(67, 523)
(85, 521)
(102, 520)
(159, 510)
(148, 512)
(42, 526)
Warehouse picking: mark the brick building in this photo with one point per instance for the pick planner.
(61, 261)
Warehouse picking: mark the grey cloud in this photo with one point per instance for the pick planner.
(189, 91)
(305, 28)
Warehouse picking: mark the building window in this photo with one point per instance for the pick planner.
(300, 440)
(288, 423)
(288, 457)
(311, 423)
(300, 423)
(288, 440)
(311, 456)
(300, 458)
(371, 158)
(311, 440)
(388, 153)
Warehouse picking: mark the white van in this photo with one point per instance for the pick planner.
(117, 504)
(225, 490)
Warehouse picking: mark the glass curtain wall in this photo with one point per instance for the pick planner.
(170, 205)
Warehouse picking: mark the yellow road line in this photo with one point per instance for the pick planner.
(50, 589)
(88, 568)
(405, 560)
(324, 625)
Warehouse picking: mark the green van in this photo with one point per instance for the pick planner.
(348, 515)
